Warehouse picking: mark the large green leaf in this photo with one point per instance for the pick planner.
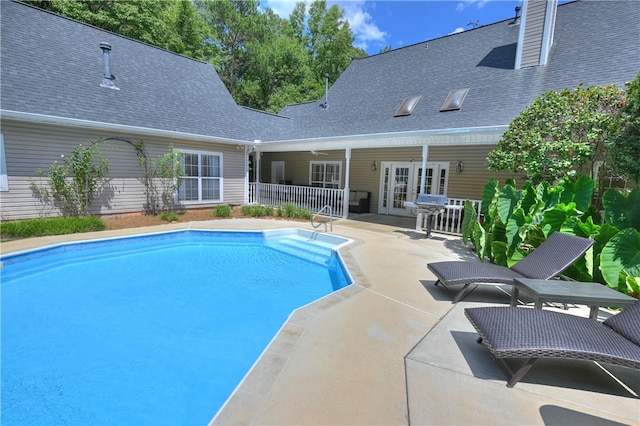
(579, 192)
(489, 192)
(633, 286)
(499, 250)
(621, 253)
(507, 202)
(620, 211)
(514, 225)
(528, 197)
(470, 216)
(479, 240)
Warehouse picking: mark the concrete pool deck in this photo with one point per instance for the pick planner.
(393, 350)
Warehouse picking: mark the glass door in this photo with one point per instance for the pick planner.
(400, 182)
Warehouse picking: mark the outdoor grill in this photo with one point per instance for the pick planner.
(428, 205)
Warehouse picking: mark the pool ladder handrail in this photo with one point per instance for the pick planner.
(313, 219)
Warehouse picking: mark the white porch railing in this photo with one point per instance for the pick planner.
(450, 220)
(314, 199)
(307, 197)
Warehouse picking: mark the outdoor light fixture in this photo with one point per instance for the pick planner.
(374, 166)
(459, 167)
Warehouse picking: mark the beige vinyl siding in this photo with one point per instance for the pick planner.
(467, 184)
(31, 146)
(534, 28)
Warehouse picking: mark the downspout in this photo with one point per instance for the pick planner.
(345, 196)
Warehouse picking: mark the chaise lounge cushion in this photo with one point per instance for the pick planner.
(547, 261)
(531, 334)
(627, 323)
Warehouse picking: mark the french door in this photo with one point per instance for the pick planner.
(400, 182)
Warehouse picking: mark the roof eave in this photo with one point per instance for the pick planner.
(121, 128)
(457, 136)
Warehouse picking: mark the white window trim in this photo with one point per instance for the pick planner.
(199, 178)
(4, 180)
(338, 163)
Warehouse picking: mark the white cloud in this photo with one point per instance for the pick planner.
(457, 30)
(282, 8)
(478, 3)
(364, 28)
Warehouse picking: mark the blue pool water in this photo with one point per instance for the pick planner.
(148, 330)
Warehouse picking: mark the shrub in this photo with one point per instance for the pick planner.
(170, 216)
(74, 183)
(50, 226)
(223, 210)
(294, 212)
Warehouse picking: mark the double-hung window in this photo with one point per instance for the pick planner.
(202, 181)
(325, 174)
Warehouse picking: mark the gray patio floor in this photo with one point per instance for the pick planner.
(392, 349)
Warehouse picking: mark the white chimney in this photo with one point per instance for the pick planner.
(535, 39)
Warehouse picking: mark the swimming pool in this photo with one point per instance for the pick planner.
(155, 329)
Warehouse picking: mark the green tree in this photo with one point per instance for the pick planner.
(330, 40)
(188, 33)
(142, 20)
(233, 25)
(560, 135)
(625, 146)
(280, 73)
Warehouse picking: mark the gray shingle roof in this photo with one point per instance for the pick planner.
(54, 66)
(595, 43)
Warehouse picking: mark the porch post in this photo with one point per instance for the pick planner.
(423, 184)
(345, 196)
(423, 175)
(257, 161)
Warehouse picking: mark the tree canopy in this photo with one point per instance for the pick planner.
(560, 134)
(625, 145)
(265, 61)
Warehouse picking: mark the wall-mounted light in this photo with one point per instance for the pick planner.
(374, 166)
(238, 147)
(459, 167)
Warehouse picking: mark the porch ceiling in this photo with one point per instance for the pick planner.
(466, 136)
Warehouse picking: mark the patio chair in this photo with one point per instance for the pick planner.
(547, 261)
(518, 332)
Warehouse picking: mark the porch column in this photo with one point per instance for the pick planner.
(256, 159)
(423, 175)
(347, 172)
(423, 184)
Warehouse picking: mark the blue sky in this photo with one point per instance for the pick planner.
(399, 23)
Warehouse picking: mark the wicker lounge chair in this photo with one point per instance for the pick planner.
(552, 257)
(516, 332)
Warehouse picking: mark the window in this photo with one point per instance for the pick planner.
(325, 174)
(454, 100)
(4, 182)
(202, 181)
(407, 106)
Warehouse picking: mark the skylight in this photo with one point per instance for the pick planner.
(407, 106)
(454, 100)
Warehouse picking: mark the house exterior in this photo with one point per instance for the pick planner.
(419, 119)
